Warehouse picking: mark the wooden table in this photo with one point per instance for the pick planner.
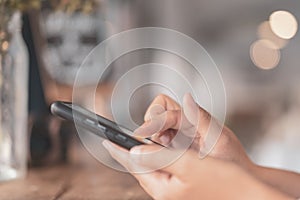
(76, 181)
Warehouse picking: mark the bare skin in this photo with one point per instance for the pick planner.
(191, 177)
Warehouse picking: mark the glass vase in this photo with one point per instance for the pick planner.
(13, 98)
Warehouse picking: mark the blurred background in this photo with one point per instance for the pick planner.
(255, 45)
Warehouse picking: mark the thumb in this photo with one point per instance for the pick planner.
(190, 109)
(207, 127)
(154, 157)
(196, 115)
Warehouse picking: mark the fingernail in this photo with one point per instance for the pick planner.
(189, 98)
(190, 109)
(165, 139)
(141, 131)
(137, 131)
(156, 109)
(147, 116)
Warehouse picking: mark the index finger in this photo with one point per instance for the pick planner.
(160, 104)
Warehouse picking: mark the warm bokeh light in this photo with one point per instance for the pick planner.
(283, 24)
(264, 54)
(5, 45)
(265, 32)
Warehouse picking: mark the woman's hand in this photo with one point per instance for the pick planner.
(189, 177)
(164, 117)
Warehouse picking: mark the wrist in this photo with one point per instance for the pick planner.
(255, 169)
(267, 192)
(262, 190)
(253, 188)
(252, 168)
(266, 189)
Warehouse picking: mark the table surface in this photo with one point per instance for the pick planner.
(85, 180)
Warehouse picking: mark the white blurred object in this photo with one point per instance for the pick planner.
(283, 24)
(280, 145)
(70, 38)
(13, 105)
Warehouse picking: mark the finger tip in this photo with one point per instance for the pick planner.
(142, 132)
(190, 108)
(187, 98)
(137, 131)
(143, 149)
(187, 94)
(136, 150)
(165, 139)
(147, 117)
(106, 144)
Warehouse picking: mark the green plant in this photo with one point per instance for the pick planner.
(22, 5)
(64, 5)
(71, 6)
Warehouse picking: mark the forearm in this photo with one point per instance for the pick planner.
(285, 181)
(259, 189)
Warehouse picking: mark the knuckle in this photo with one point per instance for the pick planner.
(205, 115)
(225, 139)
(173, 117)
(161, 96)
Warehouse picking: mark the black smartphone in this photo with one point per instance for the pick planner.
(98, 125)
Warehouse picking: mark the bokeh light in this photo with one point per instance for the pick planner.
(5, 46)
(264, 54)
(283, 24)
(265, 32)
